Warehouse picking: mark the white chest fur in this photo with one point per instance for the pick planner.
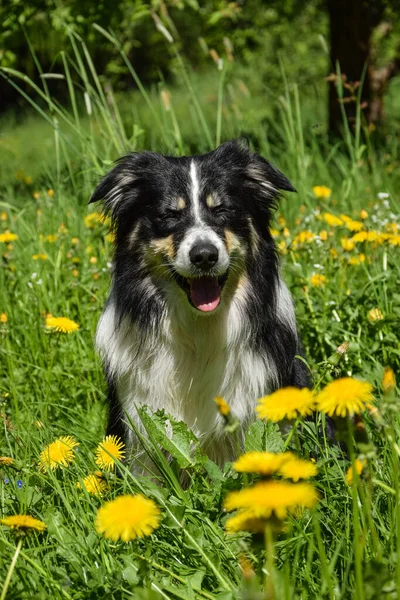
(187, 363)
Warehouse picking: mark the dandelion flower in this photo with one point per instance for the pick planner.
(318, 280)
(3, 216)
(23, 522)
(108, 451)
(223, 406)
(347, 244)
(128, 517)
(39, 256)
(93, 219)
(363, 214)
(323, 235)
(93, 260)
(344, 396)
(286, 403)
(61, 324)
(332, 220)
(94, 484)
(358, 467)
(50, 193)
(321, 191)
(273, 497)
(8, 237)
(264, 463)
(297, 468)
(6, 461)
(59, 453)
(375, 314)
(3, 318)
(304, 236)
(245, 521)
(51, 238)
(388, 381)
(354, 225)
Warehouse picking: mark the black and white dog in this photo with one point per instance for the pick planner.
(197, 307)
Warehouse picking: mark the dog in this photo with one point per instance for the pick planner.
(197, 307)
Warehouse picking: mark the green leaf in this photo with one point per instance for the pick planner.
(172, 435)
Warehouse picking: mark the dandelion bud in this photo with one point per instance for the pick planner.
(340, 351)
(388, 381)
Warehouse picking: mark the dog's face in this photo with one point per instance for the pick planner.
(192, 221)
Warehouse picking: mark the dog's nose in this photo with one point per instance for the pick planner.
(203, 255)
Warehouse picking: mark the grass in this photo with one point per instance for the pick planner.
(52, 384)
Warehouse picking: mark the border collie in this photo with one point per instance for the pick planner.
(197, 307)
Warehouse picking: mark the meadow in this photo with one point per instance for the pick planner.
(339, 239)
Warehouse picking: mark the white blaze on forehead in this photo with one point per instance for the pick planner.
(195, 193)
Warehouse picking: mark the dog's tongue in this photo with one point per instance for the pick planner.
(205, 293)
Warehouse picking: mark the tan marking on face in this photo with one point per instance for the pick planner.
(254, 238)
(210, 201)
(181, 203)
(164, 246)
(232, 241)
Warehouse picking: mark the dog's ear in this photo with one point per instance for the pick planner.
(268, 176)
(123, 182)
(112, 186)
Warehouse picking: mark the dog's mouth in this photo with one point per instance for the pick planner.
(204, 293)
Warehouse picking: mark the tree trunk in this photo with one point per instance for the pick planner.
(351, 25)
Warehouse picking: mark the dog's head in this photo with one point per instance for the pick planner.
(192, 220)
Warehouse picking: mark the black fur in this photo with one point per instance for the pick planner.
(140, 194)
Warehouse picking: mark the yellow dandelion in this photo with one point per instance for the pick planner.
(358, 467)
(23, 522)
(8, 237)
(94, 484)
(3, 216)
(347, 244)
(297, 468)
(50, 193)
(274, 232)
(366, 236)
(354, 225)
(51, 238)
(286, 403)
(264, 463)
(93, 260)
(321, 191)
(28, 180)
(272, 497)
(333, 252)
(3, 318)
(108, 451)
(36, 195)
(128, 517)
(318, 280)
(390, 227)
(61, 324)
(75, 272)
(363, 214)
(245, 521)
(344, 396)
(304, 236)
(93, 219)
(223, 406)
(59, 453)
(286, 232)
(6, 461)
(375, 314)
(75, 241)
(332, 220)
(110, 237)
(388, 381)
(323, 235)
(394, 240)
(39, 256)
